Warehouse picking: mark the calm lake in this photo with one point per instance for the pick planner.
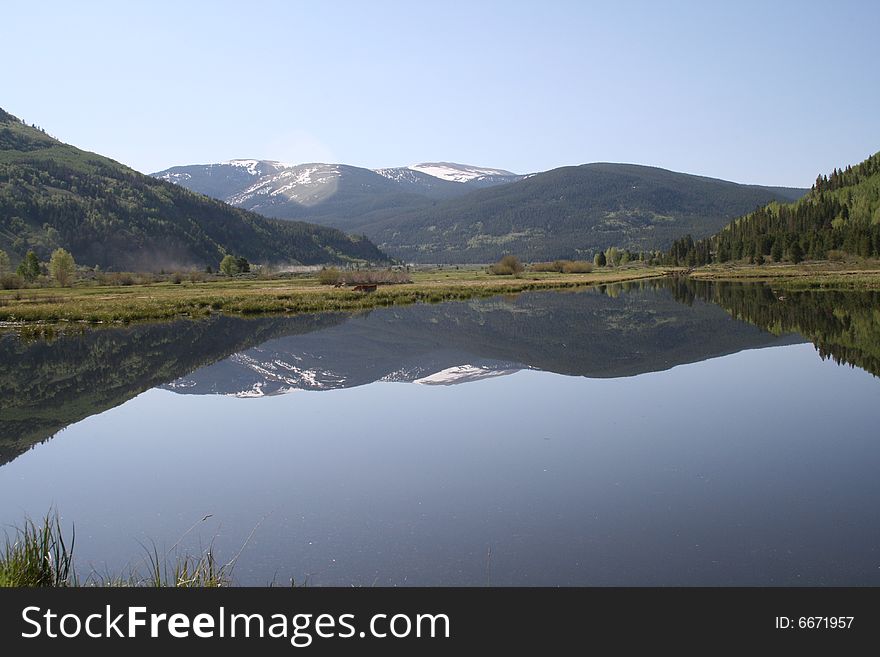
(660, 433)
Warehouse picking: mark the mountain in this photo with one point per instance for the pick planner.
(215, 180)
(840, 214)
(447, 212)
(570, 212)
(55, 195)
(337, 195)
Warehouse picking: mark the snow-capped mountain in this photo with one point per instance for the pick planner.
(306, 184)
(258, 167)
(418, 182)
(334, 194)
(220, 179)
(258, 373)
(238, 176)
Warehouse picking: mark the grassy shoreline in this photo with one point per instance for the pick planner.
(804, 276)
(164, 301)
(95, 304)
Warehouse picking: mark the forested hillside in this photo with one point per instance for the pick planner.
(55, 195)
(840, 215)
(571, 212)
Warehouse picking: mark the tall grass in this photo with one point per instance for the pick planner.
(182, 570)
(37, 555)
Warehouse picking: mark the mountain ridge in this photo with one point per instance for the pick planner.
(569, 212)
(421, 213)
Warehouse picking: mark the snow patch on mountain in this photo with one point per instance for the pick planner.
(462, 374)
(306, 184)
(458, 172)
(253, 166)
(279, 376)
(399, 174)
(176, 178)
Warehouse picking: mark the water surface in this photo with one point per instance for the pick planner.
(628, 435)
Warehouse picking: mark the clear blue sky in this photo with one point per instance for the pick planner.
(759, 92)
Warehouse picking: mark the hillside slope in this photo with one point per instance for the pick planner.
(55, 195)
(568, 212)
(840, 213)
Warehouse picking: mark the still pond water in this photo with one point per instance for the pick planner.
(654, 434)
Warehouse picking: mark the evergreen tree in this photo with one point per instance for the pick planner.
(796, 252)
(4, 263)
(776, 250)
(599, 259)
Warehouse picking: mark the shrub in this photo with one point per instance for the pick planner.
(577, 267)
(329, 276)
(115, 278)
(11, 282)
(508, 266)
(564, 266)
